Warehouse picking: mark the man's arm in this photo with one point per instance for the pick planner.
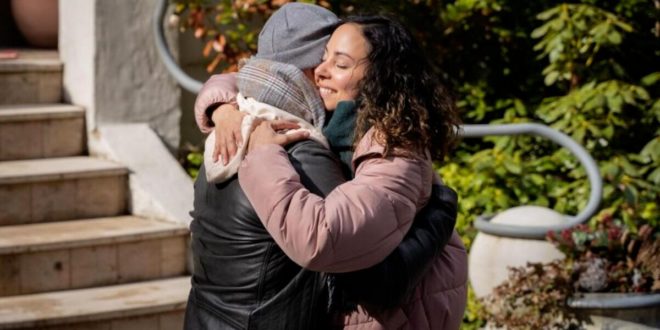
(216, 109)
(219, 89)
(392, 282)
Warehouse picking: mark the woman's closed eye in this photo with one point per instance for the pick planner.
(341, 64)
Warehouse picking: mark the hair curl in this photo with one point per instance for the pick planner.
(399, 96)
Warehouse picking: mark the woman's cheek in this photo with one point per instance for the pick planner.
(328, 103)
(352, 91)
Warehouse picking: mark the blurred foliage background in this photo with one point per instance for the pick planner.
(588, 68)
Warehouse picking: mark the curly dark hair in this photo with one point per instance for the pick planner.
(399, 96)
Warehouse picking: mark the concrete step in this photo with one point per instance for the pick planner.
(35, 76)
(41, 131)
(154, 305)
(85, 253)
(54, 189)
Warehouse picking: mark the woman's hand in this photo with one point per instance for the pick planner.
(270, 132)
(227, 120)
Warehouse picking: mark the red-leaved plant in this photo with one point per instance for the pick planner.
(604, 257)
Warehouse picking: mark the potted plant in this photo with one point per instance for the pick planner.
(37, 20)
(608, 271)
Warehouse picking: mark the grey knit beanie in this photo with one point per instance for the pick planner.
(296, 34)
(283, 86)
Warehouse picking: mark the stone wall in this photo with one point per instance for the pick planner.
(112, 67)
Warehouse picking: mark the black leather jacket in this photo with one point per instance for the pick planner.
(243, 280)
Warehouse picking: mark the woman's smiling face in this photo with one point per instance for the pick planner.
(344, 64)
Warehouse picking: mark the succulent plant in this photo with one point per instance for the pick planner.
(593, 275)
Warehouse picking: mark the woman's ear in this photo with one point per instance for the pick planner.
(241, 62)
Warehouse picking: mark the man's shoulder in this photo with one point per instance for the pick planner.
(306, 146)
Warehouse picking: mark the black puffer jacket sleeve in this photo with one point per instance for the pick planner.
(390, 283)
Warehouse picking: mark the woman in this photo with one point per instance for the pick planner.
(405, 120)
(241, 278)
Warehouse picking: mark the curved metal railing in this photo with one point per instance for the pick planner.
(483, 223)
(614, 300)
(469, 131)
(190, 84)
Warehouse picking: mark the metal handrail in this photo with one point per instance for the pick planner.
(482, 223)
(187, 82)
(614, 300)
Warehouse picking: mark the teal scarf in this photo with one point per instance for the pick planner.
(339, 129)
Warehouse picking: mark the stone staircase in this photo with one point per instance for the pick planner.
(71, 257)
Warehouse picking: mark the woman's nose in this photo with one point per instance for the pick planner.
(320, 71)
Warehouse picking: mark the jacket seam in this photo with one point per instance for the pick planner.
(201, 303)
(262, 274)
(458, 286)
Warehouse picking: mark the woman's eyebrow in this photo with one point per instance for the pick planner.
(345, 54)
